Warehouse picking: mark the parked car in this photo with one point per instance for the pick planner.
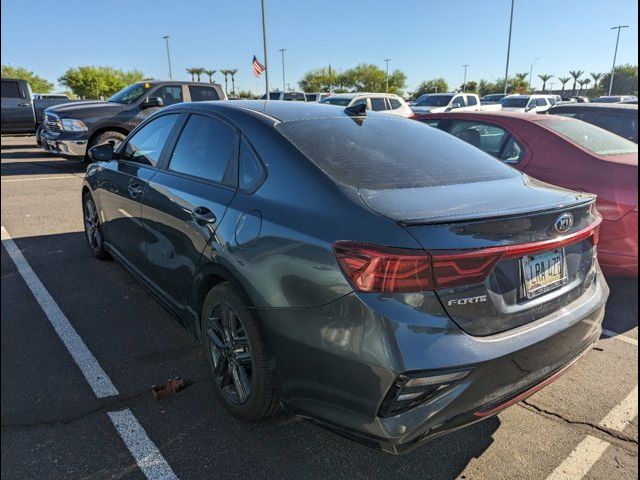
(526, 103)
(286, 96)
(368, 272)
(316, 96)
(444, 102)
(615, 99)
(378, 102)
(22, 110)
(617, 118)
(576, 99)
(572, 154)
(69, 130)
(493, 97)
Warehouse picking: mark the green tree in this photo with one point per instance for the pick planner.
(192, 71)
(97, 82)
(625, 80)
(367, 77)
(436, 85)
(518, 83)
(545, 77)
(38, 84)
(596, 80)
(210, 73)
(246, 94)
(226, 74)
(485, 87)
(233, 74)
(319, 80)
(564, 81)
(470, 86)
(575, 75)
(198, 71)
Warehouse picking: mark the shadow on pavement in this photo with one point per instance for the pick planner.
(42, 167)
(622, 306)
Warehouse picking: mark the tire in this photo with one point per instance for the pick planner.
(110, 136)
(93, 228)
(233, 342)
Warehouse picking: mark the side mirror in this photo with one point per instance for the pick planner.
(102, 153)
(152, 102)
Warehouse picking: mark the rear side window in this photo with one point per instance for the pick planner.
(622, 125)
(202, 94)
(471, 100)
(10, 89)
(204, 148)
(590, 137)
(377, 104)
(147, 143)
(388, 153)
(487, 138)
(395, 103)
(251, 172)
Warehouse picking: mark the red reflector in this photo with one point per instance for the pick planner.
(374, 268)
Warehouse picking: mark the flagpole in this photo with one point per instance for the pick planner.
(264, 42)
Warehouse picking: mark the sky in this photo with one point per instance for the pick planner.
(423, 38)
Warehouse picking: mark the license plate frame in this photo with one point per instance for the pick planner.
(543, 272)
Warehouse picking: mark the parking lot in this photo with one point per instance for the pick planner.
(56, 425)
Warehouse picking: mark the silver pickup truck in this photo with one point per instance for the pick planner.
(23, 110)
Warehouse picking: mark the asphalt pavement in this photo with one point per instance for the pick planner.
(55, 426)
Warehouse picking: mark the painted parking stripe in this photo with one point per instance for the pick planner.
(96, 377)
(144, 451)
(589, 451)
(621, 337)
(56, 177)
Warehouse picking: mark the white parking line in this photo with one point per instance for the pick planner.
(56, 177)
(144, 451)
(96, 377)
(146, 454)
(589, 451)
(621, 337)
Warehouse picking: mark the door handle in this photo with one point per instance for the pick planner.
(135, 190)
(24, 104)
(203, 215)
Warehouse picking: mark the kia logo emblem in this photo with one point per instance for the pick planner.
(564, 223)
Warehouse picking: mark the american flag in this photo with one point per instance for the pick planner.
(257, 67)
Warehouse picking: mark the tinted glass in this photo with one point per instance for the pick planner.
(169, 94)
(250, 168)
(274, 96)
(591, 138)
(514, 102)
(386, 153)
(471, 100)
(295, 97)
(311, 97)
(541, 102)
(434, 100)
(512, 152)
(336, 101)
(131, 93)
(10, 89)
(204, 148)
(622, 125)
(378, 104)
(481, 135)
(395, 103)
(147, 143)
(606, 100)
(201, 94)
(458, 102)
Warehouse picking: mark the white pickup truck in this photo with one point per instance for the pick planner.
(445, 102)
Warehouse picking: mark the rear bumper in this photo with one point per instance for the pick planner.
(66, 144)
(618, 248)
(340, 378)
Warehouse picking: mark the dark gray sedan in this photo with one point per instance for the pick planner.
(370, 273)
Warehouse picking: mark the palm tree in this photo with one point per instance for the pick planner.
(192, 71)
(564, 81)
(596, 79)
(575, 74)
(233, 80)
(198, 71)
(584, 83)
(210, 74)
(545, 78)
(226, 73)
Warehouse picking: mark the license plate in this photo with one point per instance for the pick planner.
(543, 272)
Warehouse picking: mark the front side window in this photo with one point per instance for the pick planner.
(590, 137)
(10, 89)
(169, 94)
(204, 149)
(541, 102)
(202, 94)
(378, 104)
(458, 102)
(146, 145)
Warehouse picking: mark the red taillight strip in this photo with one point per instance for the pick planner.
(532, 390)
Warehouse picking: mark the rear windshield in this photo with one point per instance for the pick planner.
(387, 153)
(337, 101)
(434, 101)
(591, 138)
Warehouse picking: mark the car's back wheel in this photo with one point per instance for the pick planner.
(93, 228)
(236, 354)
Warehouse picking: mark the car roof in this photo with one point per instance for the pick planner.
(178, 82)
(597, 106)
(362, 94)
(274, 110)
(497, 115)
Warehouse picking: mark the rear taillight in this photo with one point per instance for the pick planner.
(375, 268)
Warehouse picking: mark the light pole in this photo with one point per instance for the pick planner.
(264, 44)
(387, 60)
(282, 50)
(166, 39)
(531, 73)
(551, 84)
(464, 82)
(615, 54)
(506, 73)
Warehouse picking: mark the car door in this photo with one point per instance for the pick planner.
(123, 183)
(472, 103)
(17, 109)
(169, 94)
(187, 200)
